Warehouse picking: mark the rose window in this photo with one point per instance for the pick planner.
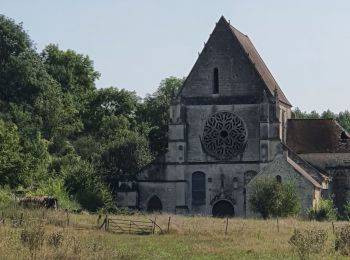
(224, 135)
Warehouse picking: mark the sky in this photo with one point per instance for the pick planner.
(136, 44)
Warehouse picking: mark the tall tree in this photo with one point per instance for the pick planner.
(155, 112)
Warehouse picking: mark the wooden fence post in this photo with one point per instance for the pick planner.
(169, 224)
(278, 225)
(106, 223)
(226, 226)
(98, 219)
(333, 227)
(154, 224)
(67, 215)
(21, 219)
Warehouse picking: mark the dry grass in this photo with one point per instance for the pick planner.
(188, 238)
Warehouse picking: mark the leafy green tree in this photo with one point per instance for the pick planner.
(111, 105)
(155, 112)
(125, 157)
(12, 167)
(13, 40)
(74, 72)
(87, 187)
(328, 115)
(344, 119)
(271, 198)
(305, 115)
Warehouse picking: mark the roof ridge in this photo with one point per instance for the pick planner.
(259, 64)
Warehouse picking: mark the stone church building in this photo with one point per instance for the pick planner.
(229, 124)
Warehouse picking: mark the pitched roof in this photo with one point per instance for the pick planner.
(259, 64)
(317, 136)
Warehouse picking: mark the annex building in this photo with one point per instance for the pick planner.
(229, 124)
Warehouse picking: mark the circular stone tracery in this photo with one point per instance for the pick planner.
(224, 135)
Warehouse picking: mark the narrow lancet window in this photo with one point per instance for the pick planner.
(216, 81)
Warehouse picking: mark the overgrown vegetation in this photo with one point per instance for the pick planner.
(342, 240)
(271, 198)
(63, 137)
(189, 238)
(325, 211)
(307, 242)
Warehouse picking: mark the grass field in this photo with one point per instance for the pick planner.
(188, 238)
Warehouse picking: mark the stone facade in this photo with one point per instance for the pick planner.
(228, 125)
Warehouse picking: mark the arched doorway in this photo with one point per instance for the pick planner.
(154, 204)
(223, 208)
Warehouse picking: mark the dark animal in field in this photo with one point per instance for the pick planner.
(39, 202)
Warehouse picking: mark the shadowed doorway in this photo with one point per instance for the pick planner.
(222, 209)
(154, 204)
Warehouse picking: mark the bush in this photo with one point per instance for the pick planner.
(55, 187)
(87, 187)
(325, 211)
(33, 238)
(55, 239)
(307, 242)
(7, 199)
(272, 198)
(342, 240)
(347, 210)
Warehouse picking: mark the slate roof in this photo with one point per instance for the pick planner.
(317, 136)
(259, 64)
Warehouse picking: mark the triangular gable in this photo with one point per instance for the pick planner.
(284, 166)
(253, 56)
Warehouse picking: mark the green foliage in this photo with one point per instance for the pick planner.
(347, 210)
(273, 199)
(155, 112)
(126, 156)
(13, 39)
(12, 168)
(7, 200)
(54, 186)
(343, 118)
(60, 135)
(306, 242)
(325, 211)
(87, 187)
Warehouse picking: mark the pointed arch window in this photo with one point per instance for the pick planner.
(279, 178)
(216, 81)
(198, 188)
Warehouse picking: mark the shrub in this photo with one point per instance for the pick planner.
(325, 211)
(347, 210)
(7, 199)
(272, 198)
(308, 242)
(55, 187)
(33, 238)
(342, 240)
(55, 239)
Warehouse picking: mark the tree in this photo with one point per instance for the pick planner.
(344, 119)
(328, 115)
(12, 167)
(74, 72)
(13, 40)
(111, 104)
(125, 157)
(155, 112)
(271, 198)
